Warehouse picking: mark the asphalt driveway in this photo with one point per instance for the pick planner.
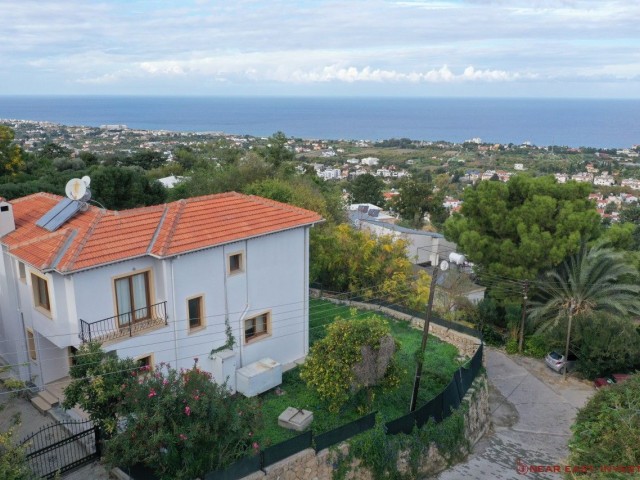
(532, 411)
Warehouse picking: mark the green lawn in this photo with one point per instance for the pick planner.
(440, 364)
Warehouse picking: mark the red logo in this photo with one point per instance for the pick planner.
(522, 467)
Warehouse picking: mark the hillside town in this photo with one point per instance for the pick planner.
(411, 275)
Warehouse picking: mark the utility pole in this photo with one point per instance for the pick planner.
(423, 346)
(525, 291)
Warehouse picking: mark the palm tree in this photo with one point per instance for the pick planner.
(595, 279)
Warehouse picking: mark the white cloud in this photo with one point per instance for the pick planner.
(378, 42)
(368, 74)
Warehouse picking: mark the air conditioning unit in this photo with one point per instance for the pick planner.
(258, 377)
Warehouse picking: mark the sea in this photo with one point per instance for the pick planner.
(598, 123)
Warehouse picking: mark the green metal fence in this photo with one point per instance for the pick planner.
(437, 409)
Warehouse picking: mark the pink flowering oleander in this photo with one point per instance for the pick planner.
(183, 436)
(152, 393)
(187, 410)
(255, 445)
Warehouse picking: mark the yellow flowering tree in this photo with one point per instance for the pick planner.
(10, 153)
(344, 259)
(356, 355)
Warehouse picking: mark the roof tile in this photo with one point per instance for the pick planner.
(98, 237)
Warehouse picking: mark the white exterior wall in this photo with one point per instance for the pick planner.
(53, 331)
(13, 342)
(277, 280)
(274, 279)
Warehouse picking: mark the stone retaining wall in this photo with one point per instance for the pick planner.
(307, 465)
(466, 344)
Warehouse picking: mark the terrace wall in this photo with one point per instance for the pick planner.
(309, 465)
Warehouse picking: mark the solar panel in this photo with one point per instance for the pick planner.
(63, 211)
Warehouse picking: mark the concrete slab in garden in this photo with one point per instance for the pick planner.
(295, 419)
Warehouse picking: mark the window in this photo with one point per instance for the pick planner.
(132, 298)
(22, 271)
(72, 351)
(31, 342)
(235, 263)
(196, 313)
(40, 292)
(146, 362)
(256, 327)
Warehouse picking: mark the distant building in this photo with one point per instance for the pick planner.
(604, 179)
(170, 181)
(330, 174)
(582, 177)
(561, 177)
(518, 166)
(632, 183)
(370, 161)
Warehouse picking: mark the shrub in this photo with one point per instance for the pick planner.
(536, 346)
(492, 336)
(355, 355)
(13, 462)
(512, 346)
(98, 380)
(607, 430)
(182, 425)
(605, 344)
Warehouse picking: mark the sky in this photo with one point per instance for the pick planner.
(431, 48)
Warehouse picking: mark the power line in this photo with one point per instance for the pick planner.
(325, 316)
(191, 356)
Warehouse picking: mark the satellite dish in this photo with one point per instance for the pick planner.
(75, 189)
(444, 265)
(87, 180)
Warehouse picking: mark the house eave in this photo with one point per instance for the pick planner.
(175, 255)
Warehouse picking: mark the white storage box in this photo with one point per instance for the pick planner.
(258, 377)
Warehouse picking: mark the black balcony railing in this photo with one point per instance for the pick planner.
(125, 324)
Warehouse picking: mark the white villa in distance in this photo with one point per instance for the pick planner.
(158, 284)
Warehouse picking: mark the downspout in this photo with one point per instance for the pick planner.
(175, 314)
(241, 341)
(305, 294)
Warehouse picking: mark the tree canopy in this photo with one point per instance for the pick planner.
(347, 260)
(11, 160)
(356, 354)
(596, 279)
(527, 225)
(417, 198)
(120, 188)
(367, 189)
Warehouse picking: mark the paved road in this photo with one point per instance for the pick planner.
(532, 410)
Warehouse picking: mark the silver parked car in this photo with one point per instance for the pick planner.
(555, 361)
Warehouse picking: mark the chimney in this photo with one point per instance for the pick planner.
(7, 223)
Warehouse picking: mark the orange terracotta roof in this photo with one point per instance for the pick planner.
(98, 237)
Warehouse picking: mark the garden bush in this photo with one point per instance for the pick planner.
(181, 424)
(605, 344)
(536, 346)
(607, 431)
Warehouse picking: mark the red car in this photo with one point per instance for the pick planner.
(610, 380)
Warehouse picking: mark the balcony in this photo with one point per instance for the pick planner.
(124, 325)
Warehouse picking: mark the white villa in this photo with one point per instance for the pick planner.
(158, 284)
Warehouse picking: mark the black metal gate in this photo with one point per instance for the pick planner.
(61, 447)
